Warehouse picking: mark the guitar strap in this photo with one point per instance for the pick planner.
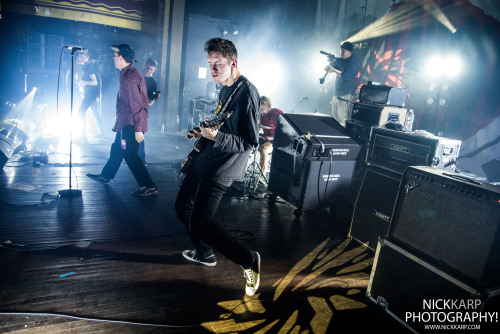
(221, 111)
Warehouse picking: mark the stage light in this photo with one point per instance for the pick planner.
(443, 66)
(453, 66)
(60, 126)
(434, 67)
(236, 32)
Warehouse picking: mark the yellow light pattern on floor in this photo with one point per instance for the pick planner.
(323, 267)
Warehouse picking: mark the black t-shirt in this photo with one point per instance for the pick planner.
(151, 86)
(225, 159)
(88, 69)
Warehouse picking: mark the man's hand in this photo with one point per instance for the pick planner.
(139, 136)
(194, 134)
(209, 133)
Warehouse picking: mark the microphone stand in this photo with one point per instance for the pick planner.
(71, 192)
(322, 80)
(300, 101)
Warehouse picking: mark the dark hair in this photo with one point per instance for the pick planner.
(151, 62)
(224, 46)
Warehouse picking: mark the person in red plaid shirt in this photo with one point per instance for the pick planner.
(131, 123)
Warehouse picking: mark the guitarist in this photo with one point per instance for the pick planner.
(220, 162)
(88, 86)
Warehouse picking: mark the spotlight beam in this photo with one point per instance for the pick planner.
(24, 106)
(401, 19)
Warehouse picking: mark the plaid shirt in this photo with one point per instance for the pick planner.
(132, 101)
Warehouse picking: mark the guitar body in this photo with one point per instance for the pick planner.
(198, 147)
(201, 142)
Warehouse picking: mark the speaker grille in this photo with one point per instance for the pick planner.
(374, 206)
(454, 223)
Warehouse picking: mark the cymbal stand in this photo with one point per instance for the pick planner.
(253, 174)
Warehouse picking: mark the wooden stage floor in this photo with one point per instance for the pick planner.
(110, 262)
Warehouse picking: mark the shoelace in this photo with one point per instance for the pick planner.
(248, 276)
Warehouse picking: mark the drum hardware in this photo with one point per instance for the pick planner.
(254, 174)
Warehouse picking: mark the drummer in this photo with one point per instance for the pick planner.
(268, 120)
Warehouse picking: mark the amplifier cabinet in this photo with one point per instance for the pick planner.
(314, 137)
(360, 131)
(396, 150)
(383, 94)
(309, 184)
(375, 114)
(451, 221)
(418, 294)
(374, 205)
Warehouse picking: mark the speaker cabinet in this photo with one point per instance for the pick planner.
(8, 144)
(309, 184)
(6, 151)
(452, 221)
(374, 205)
(315, 137)
(410, 289)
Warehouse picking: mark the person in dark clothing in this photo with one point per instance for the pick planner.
(153, 94)
(222, 161)
(269, 117)
(89, 88)
(346, 68)
(131, 123)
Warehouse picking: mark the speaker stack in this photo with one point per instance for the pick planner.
(313, 161)
(442, 246)
(389, 153)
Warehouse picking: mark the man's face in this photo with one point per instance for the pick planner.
(82, 58)
(220, 67)
(344, 53)
(149, 70)
(118, 60)
(264, 109)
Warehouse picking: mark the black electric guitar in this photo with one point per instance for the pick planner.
(200, 143)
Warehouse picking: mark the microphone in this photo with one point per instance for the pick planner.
(74, 48)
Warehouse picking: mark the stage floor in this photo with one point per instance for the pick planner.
(110, 262)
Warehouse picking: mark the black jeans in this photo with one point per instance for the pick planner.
(117, 154)
(196, 204)
(89, 101)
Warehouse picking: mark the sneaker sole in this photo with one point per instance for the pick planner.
(198, 262)
(97, 180)
(148, 194)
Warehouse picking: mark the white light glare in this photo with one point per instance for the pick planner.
(453, 66)
(444, 66)
(266, 74)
